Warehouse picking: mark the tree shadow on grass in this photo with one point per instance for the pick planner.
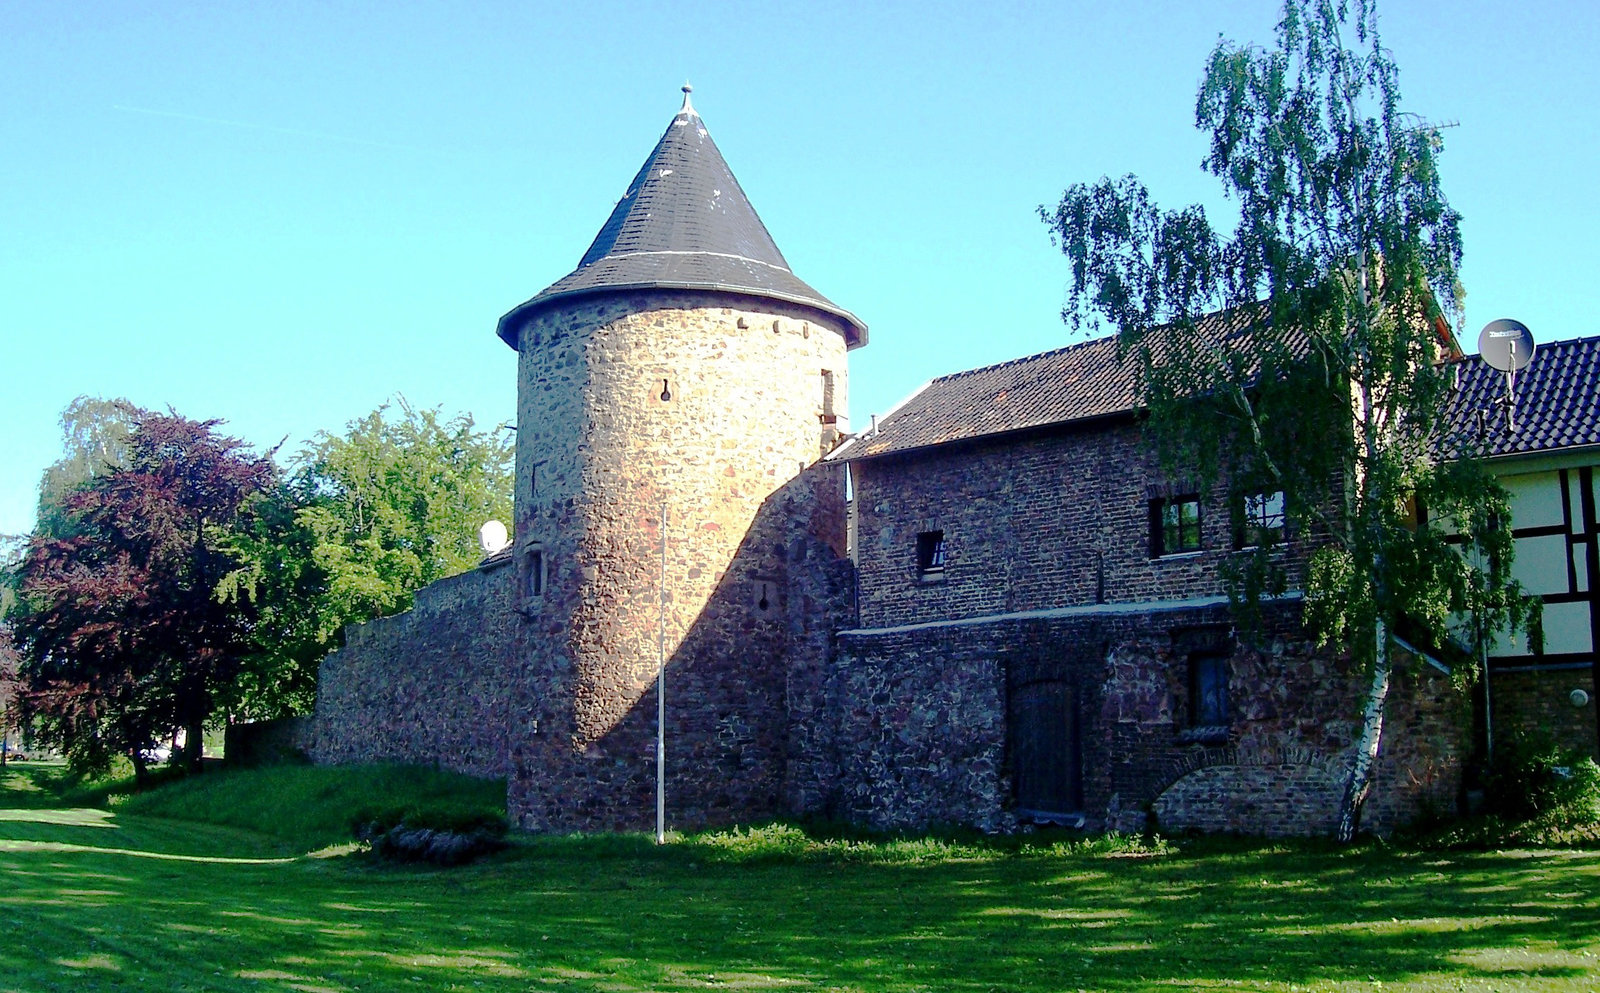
(615, 913)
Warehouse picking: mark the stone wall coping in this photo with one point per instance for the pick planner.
(1080, 610)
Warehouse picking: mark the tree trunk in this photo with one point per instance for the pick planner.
(1360, 782)
(194, 743)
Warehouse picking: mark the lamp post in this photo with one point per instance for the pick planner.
(661, 691)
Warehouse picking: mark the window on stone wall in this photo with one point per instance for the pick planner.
(1208, 691)
(829, 414)
(930, 554)
(534, 576)
(1174, 525)
(1260, 521)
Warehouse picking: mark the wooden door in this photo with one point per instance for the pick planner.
(1046, 750)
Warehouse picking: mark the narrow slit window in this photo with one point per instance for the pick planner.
(536, 572)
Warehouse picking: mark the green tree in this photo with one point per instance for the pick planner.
(365, 520)
(1303, 352)
(294, 623)
(94, 442)
(396, 502)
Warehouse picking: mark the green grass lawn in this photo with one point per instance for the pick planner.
(96, 899)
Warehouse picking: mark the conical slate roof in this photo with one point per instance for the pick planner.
(684, 224)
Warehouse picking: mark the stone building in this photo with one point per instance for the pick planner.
(1016, 618)
(1042, 609)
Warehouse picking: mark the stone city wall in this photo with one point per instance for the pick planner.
(283, 739)
(433, 685)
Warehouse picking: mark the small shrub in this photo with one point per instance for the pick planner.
(1536, 780)
(1535, 795)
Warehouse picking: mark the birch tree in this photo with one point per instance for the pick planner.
(1305, 351)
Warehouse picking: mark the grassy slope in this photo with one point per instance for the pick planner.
(312, 806)
(775, 912)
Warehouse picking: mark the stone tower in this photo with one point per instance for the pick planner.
(675, 393)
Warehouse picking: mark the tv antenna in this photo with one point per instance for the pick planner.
(1507, 345)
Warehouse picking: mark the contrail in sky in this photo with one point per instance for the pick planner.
(298, 132)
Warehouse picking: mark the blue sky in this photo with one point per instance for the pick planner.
(283, 214)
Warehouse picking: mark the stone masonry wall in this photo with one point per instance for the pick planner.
(705, 409)
(919, 730)
(282, 739)
(1038, 522)
(433, 685)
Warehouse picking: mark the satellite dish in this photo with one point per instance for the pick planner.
(1506, 345)
(492, 537)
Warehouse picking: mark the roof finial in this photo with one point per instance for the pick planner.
(687, 108)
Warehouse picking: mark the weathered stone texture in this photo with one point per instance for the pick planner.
(1034, 522)
(433, 685)
(914, 732)
(705, 410)
(919, 730)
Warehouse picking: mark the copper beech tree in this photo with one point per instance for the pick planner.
(1326, 379)
(121, 633)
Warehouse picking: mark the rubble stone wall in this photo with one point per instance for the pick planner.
(1054, 519)
(667, 481)
(433, 685)
(920, 731)
(283, 739)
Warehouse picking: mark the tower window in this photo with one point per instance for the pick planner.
(536, 577)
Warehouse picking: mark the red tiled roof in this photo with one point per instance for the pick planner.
(1069, 384)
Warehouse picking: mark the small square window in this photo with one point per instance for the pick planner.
(930, 553)
(1174, 525)
(1261, 521)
